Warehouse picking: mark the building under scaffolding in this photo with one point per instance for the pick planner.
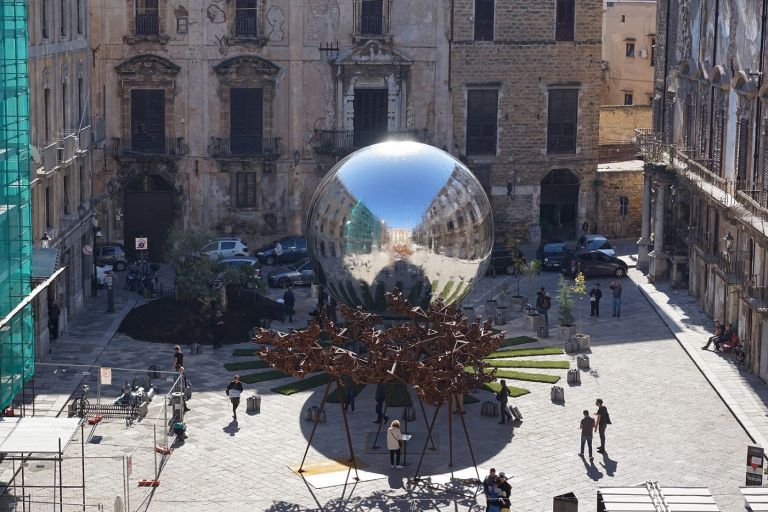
(16, 333)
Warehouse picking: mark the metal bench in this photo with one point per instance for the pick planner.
(128, 412)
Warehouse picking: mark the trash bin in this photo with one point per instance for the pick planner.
(501, 315)
(566, 503)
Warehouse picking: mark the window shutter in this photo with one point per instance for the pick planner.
(564, 20)
(484, 20)
(482, 111)
(742, 139)
(562, 118)
(245, 120)
(703, 126)
(717, 132)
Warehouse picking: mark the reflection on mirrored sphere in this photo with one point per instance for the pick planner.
(399, 215)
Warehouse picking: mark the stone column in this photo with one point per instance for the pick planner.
(658, 263)
(645, 234)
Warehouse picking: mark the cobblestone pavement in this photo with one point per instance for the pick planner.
(669, 425)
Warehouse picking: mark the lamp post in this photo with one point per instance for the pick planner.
(728, 239)
(96, 236)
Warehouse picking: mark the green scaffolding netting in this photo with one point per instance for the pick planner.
(16, 337)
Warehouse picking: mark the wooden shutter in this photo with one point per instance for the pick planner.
(703, 127)
(245, 190)
(562, 117)
(372, 17)
(688, 135)
(564, 20)
(245, 120)
(482, 113)
(742, 140)
(484, 18)
(148, 120)
(718, 127)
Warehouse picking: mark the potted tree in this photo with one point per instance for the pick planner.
(512, 243)
(580, 289)
(565, 308)
(501, 306)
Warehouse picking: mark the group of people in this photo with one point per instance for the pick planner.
(497, 492)
(596, 293)
(589, 425)
(722, 335)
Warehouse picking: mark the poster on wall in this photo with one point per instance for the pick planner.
(755, 463)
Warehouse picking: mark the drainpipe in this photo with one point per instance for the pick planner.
(758, 107)
(663, 109)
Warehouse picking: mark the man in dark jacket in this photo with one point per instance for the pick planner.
(380, 399)
(289, 301)
(602, 420)
(726, 337)
(595, 294)
(234, 390)
(543, 303)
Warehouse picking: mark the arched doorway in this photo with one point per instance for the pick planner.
(147, 212)
(559, 205)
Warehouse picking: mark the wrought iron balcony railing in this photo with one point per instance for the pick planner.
(753, 288)
(342, 142)
(731, 264)
(371, 24)
(245, 147)
(147, 24)
(246, 26)
(149, 148)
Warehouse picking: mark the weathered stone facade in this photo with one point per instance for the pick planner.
(706, 185)
(617, 217)
(524, 62)
(308, 59)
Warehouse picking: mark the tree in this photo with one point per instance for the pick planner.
(512, 243)
(565, 313)
(579, 288)
(194, 273)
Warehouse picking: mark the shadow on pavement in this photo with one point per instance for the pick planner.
(609, 464)
(233, 428)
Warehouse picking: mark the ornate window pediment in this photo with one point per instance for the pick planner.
(719, 77)
(147, 64)
(245, 65)
(744, 85)
(688, 69)
(372, 52)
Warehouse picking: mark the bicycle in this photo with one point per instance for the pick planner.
(80, 405)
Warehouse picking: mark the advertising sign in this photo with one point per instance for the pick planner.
(755, 463)
(142, 244)
(106, 376)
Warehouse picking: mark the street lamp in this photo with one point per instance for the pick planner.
(45, 240)
(728, 239)
(96, 236)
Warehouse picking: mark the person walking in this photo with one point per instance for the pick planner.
(503, 397)
(587, 428)
(53, 319)
(234, 390)
(380, 400)
(543, 303)
(186, 390)
(178, 358)
(217, 322)
(348, 386)
(595, 294)
(602, 420)
(289, 301)
(616, 288)
(278, 251)
(394, 438)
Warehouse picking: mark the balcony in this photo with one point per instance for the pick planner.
(148, 148)
(731, 266)
(371, 25)
(343, 142)
(755, 292)
(246, 26)
(147, 24)
(245, 148)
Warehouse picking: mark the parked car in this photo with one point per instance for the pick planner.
(597, 243)
(112, 254)
(241, 263)
(294, 249)
(592, 264)
(300, 273)
(552, 255)
(225, 248)
(102, 271)
(502, 261)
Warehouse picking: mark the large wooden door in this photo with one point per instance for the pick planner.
(148, 212)
(370, 121)
(148, 120)
(245, 121)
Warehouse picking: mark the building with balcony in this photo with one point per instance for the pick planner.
(705, 192)
(17, 362)
(228, 114)
(525, 92)
(64, 136)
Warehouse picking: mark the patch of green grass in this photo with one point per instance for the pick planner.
(244, 352)
(303, 384)
(333, 395)
(526, 352)
(446, 290)
(527, 363)
(253, 378)
(514, 392)
(526, 376)
(246, 365)
(518, 340)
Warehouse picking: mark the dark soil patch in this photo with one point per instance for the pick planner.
(166, 320)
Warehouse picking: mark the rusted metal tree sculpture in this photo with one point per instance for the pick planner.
(436, 351)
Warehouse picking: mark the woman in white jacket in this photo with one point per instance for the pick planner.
(394, 437)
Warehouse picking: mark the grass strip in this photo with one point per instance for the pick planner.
(244, 352)
(526, 376)
(526, 352)
(246, 365)
(253, 378)
(518, 340)
(333, 395)
(302, 384)
(527, 363)
(514, 392)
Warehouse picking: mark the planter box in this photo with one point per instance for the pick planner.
(533, 322)
(501, 315)
(583, 340)
(568, 330)
(469, 313)
(490, 308)
(518, 303)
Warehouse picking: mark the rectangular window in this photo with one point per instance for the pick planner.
(47, 115)
(372, 17)
(565, 19)
(81, 189)
(79, 7)
(80, 103)
(44, 19)
(147, 18)
(653, 51)
(148, 120)
(482, 120)
(629, 98)
(370, 121)
(48, 219)
(562, 116)
(66, 194)
(64, 124)
(245, 193)
(246, 13)
(630, 50)
(246, 121)
(623, 18)
(484, 11)
(742, 147)
(64, 20)
(718, 130)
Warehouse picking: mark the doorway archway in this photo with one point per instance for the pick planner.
(148, 212)
(559, 205)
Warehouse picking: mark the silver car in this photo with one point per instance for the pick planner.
(300, 273)
(224, 248)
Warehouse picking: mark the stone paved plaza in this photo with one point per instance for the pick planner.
(669, 425)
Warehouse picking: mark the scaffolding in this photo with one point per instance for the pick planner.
(16, 329)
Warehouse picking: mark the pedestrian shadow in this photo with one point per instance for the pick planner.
(592, 471)
(609, 464)
(395, 481)
(233, 428)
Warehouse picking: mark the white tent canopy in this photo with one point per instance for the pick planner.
(36, 434)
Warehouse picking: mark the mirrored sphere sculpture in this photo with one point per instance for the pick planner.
(399, 215)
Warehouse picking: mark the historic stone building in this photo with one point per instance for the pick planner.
(525, 90)
(706, 174)
(63, 136)
(226, 114)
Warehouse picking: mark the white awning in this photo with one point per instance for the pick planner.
(36, 434)
(756, 497)
(652, 497)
